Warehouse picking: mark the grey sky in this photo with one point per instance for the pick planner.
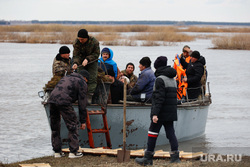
(123, 10)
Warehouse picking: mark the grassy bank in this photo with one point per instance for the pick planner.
(113, 34)
(239, 41)
(110, 161)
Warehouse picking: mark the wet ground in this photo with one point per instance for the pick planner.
(110, 161)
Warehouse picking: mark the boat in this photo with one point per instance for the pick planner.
(191, 123)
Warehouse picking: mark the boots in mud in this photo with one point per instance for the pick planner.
(175, 157)
(146, 160)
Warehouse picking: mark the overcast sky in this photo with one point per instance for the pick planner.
(126, 10)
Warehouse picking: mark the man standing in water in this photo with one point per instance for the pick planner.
(163, 111)
(85, 55)
(69, 89)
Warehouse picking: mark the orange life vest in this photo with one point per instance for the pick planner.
(181, 73)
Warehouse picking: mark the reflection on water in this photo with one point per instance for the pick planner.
(25, 68)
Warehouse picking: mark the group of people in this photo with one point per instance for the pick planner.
(191, 74)
(77, 80)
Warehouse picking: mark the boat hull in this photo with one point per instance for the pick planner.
(191, 124)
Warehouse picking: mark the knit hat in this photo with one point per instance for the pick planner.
(84, 73)
(145, 61)
(160, 61)
(195, 54)
(131, 65)
(82, 33)
(105, 50)
(64, 50)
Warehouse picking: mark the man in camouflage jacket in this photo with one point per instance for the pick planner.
(70, 88)
(85, 55)
(128, 72)
(61, 66)
(61, 63)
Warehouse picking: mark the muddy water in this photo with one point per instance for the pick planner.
(25, 68)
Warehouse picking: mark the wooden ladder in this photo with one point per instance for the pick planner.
(105, 129)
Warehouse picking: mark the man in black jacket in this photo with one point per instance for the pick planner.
(116, 88)
(163, 111)
(70, 88)
(194, 72)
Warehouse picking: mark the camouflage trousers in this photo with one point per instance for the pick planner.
(69, 116)
(92, 68)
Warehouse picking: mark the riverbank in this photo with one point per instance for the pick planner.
(111, 161)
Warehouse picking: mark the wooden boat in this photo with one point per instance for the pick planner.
(192, 118)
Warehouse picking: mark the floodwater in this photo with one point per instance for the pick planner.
(25, 68)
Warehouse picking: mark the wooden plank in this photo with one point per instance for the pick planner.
(192, 155)
(137, 153)
(65, 150)
(162, 155)
(35, 165)
(158, 151)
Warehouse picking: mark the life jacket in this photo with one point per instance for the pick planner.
(181, 73)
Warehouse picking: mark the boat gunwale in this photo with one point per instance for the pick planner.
(138, 104)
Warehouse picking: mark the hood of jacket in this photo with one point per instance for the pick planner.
(110, 57)
(110, 61)
(59, 58)
(166, 71)
(202, 60)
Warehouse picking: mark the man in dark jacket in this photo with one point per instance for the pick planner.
(194, 72)
(163, 111)
(69, 89)
(145, 82)
(116, 88)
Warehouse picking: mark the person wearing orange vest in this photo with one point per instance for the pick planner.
(194, 72)
(181, 72)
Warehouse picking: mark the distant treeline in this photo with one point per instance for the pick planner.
(180, 23)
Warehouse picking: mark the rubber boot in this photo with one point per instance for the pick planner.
(146, 160)
(175, 157)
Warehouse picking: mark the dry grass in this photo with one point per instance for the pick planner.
(164, 36)
(75, 28)
(240, 42)
(107, 36)
(117, 28)
(216, 29)
(111, 34)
